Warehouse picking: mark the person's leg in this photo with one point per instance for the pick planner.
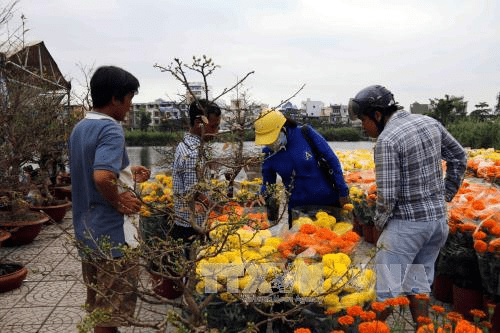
(422, 274)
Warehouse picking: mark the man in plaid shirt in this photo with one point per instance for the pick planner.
(204, 120)
(411, 192)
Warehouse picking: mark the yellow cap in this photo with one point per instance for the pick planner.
(268, 127)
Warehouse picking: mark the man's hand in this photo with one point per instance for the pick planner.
(140, 173)
(128, 203)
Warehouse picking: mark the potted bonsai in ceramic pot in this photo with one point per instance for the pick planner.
(32, 103)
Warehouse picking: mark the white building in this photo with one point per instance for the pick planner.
(159, 109)
(312, 108)
(198, 90)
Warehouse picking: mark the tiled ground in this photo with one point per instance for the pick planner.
(50, 298)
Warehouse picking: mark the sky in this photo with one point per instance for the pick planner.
(419, 50)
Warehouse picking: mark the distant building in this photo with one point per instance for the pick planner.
(416, 107)
(312, 108)
(160, 110)
(291, 111)
(198, 90)
(339, 114)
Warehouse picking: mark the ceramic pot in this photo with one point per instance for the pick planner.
(357, 226)
(368, 233)
(56, 211)
(61, 192)
(12, 280)
(23, 227)
(165, 287)
(442, 288)
(4, 235)
(376, 234)
(465, 300)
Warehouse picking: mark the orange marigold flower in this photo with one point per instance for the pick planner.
(480, 246)
(495, 231)
(478, 313)
(422, 297)
(308, 229)
(430, 328)
(488, 224)
(373, 327)
(465, 326)
(424, 320)
(379, 306)
(368, 316)
(479, 235)
(302, 330)
(337, 331)
(325, 233)
(454, 316)
(346, 320)
(478, 205)
(351, 236)
(438, 309)
(467, 227)
(355, 310)
(397, 301)
(494, 245)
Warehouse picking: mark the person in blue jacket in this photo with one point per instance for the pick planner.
(288, 154)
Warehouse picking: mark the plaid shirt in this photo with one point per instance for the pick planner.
(184, 177)
(408, 165)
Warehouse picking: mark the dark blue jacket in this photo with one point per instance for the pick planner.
(309, 186)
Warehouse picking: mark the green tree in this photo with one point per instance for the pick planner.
(482, 111)
(144, 119)
(497, 107)
(448, 109)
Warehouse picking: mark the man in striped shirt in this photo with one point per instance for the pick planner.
(188, 165)
(411, 191)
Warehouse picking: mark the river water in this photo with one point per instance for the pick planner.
(149, 156)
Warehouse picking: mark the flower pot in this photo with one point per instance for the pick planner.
(368, 233)
(23, 227)
(4, 235)
(376, 234)
(165, 287)
(442, 288)
(14, 278)
(56, 211)
(465, 300)
(61, 192)
(357, 227)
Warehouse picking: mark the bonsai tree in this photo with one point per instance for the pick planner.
(35, 121)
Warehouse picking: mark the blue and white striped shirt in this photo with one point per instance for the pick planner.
(184, 178)
(408, 165)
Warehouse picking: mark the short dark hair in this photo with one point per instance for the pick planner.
(111, 81)
(202, 107)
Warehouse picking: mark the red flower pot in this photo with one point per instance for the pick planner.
(165, 287)
(13, 280)
(368, 233)
(465, 300)
(23, 227)
(442, 288)
(376, 234)
(56, 211)
(4, 235)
